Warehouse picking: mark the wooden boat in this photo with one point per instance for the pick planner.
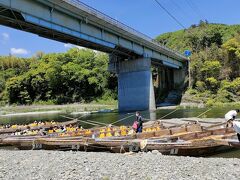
(198, 143)
(194, 143)
(28, 141)
(37, 127)
(190, 139)
(230, 140)
(197, 147)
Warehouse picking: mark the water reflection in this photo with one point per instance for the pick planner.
(128, 118)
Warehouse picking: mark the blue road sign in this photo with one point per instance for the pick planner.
(187, 53)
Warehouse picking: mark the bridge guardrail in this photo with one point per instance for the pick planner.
(95, 12)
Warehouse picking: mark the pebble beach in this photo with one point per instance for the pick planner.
(51, 165)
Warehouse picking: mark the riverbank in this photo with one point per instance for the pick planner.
(103, 166)
(91, 107)
(67, 108)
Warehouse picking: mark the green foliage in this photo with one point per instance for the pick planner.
(211, 69)
(74, 76)
(224, 96)
(232, 48)
(233, 87)
(200, 86)
(199, 37)
(212, 84)
(215, 62)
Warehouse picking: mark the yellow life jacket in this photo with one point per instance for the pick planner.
(102, 130)
(109, 134)
(87, 132)
(123, 132)
(102, 135)
(14, 126)
(50, 131)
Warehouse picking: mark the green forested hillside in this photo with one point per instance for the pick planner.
(74, 76)
(215, 62)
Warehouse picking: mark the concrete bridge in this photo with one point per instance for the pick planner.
(132, 54)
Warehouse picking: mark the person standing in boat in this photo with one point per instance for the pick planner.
(230, 117)
(140, 122)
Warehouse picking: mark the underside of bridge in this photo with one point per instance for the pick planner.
(167, 80)
(16, 20)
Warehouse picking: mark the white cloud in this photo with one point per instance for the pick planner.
(19, 51)
(68, 46)
(5, 36)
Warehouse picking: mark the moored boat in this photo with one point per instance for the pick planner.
(35, 126)
(191, 139)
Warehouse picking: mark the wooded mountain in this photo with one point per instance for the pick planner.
(215, 62)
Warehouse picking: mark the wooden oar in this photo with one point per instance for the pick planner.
(169, 122)
(201, 121)
(215, 125)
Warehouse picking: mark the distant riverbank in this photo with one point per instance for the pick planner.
(108, 166)
(51, 109)
(76, 109)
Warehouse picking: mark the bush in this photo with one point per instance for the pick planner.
(233, 86)
(223, 96)
(200, 86)
(212, 84)
(211, 68)
(192, 91)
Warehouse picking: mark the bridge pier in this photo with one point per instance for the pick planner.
(135, 85)
(179, 77)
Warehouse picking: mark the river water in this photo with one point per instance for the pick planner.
(112, 117)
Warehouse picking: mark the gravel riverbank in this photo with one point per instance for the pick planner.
(24, 165)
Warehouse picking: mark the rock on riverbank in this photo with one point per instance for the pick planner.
(23, 165)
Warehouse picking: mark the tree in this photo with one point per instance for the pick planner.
(74, 76)
(211, 69)
(232, 48)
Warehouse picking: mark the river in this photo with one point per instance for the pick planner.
(114, 116)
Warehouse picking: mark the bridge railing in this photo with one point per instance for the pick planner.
(95, 12)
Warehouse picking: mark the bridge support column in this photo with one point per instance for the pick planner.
(135, 86)
(179, 77)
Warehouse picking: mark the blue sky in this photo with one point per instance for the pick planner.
(143, 15)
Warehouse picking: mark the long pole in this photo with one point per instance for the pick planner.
(122, 119)
(168, 114)
(94, 124)
(204, 112)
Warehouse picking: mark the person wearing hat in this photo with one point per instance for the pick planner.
(230, 117)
